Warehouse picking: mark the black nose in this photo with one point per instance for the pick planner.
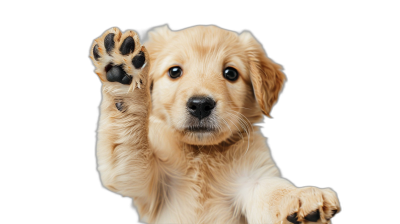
(200, 107)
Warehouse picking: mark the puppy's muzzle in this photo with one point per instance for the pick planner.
(200, 107)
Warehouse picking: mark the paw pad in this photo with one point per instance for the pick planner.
(312, 216)
(128, 46)
(96, 52)
(139, 60)
(120, 58)
(109, 43)
(293, 218)
(117, 74)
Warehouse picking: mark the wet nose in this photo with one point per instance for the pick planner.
(200, 107)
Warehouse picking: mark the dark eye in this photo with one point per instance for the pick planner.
(231, 74)
(175, 72)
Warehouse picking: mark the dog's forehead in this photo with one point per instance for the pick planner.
(209, 42)
(203, 51)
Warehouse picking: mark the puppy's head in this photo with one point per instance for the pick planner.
(210, 84)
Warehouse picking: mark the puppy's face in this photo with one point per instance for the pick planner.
(202, 82)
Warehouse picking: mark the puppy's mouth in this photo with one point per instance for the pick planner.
(199, 129)
(196, 126)
(207, 131)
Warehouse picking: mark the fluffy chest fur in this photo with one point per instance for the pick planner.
(200, 184)
(194, 189)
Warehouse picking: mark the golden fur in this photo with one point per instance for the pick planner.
(175, 176)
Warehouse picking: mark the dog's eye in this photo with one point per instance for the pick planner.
(175, 72)
(231, 74)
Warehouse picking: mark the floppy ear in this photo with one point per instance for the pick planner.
(266, 76)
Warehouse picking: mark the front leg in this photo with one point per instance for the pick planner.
(125, 161)
(275, 200)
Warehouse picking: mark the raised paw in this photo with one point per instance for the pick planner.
(120, 58)
(308, 205)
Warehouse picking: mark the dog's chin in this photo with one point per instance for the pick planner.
(197, 135)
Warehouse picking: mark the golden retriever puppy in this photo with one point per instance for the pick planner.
(177, 131)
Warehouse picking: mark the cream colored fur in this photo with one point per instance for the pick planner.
(174, 176)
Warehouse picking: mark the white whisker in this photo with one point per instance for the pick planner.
(227, 124)
(240, 133)
(247, 125)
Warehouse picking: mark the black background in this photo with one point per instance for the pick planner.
(312, 135)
